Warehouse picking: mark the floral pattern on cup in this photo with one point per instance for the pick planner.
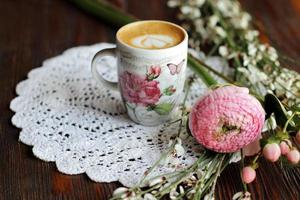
(145, 91)
(137, 89)
(153, 72)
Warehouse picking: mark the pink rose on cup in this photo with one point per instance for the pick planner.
(136, 89)
(153, 72)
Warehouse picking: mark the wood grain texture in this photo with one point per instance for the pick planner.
(33, 30)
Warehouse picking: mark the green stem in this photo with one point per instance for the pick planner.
(200, 64)
(289, 120)
(241, 168)
(214, 49)
(201, 71)
(203, 160)
(165, 154)
(105, 11)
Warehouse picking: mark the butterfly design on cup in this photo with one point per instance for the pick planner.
(175, 69)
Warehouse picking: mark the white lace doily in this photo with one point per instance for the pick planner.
(71, 119)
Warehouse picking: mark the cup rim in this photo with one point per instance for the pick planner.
(151, 50)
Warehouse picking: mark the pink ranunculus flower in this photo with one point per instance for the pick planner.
(136, 89)
(153, 72)
(227, 119)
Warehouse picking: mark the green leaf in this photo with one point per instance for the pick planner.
(163, 108)
(169, 90)
(273, 105)
(296, 119)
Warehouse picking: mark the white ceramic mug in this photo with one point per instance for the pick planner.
(150, 81)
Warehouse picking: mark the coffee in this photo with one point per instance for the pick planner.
(151, 35)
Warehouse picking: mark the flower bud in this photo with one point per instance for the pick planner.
(284, 147)
(156, 181)
(120, 191)
(293, 156)
(149, 196)
(153, 72)
(272, 152)
(248, 174)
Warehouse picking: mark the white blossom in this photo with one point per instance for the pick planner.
(252, 49)
(272, 54)
(270, 123)
(262, 47)
(220, 31)
(242, 196)
(223, 51)
(199, 27)
(256, 75)
(199, 24)
(246, 60)
(173, 193)
(213, 20)
(186, 9)
(197, 3)
(259, 56)
(156, 181)
(227, 8)
(195, 13)
(149, 196)
(289, 113)
(245, 19)
(251, 35)
(192, 12)
(209, 197)
(181, 190)
(120, 191)
(173, 3)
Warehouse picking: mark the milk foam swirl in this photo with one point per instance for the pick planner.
(153, 41)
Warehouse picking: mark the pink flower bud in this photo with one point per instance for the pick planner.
(248, 174)
(272, 152)
(298, 137)
(284, 147)
(293, 156)
(226, 119)
(153, 72)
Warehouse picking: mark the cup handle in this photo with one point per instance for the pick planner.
(99, 55)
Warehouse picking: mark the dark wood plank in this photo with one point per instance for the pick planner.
(34, 30)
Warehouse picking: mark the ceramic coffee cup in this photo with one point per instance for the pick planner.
(151, 63)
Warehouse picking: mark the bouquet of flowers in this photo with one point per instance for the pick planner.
(256, 114)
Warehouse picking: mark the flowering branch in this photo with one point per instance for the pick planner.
(222, 28)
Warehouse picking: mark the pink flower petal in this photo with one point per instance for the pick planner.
(226, 119)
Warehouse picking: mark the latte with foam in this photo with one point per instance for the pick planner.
(151, 35)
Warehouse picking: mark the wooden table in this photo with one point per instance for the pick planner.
(33, 30)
